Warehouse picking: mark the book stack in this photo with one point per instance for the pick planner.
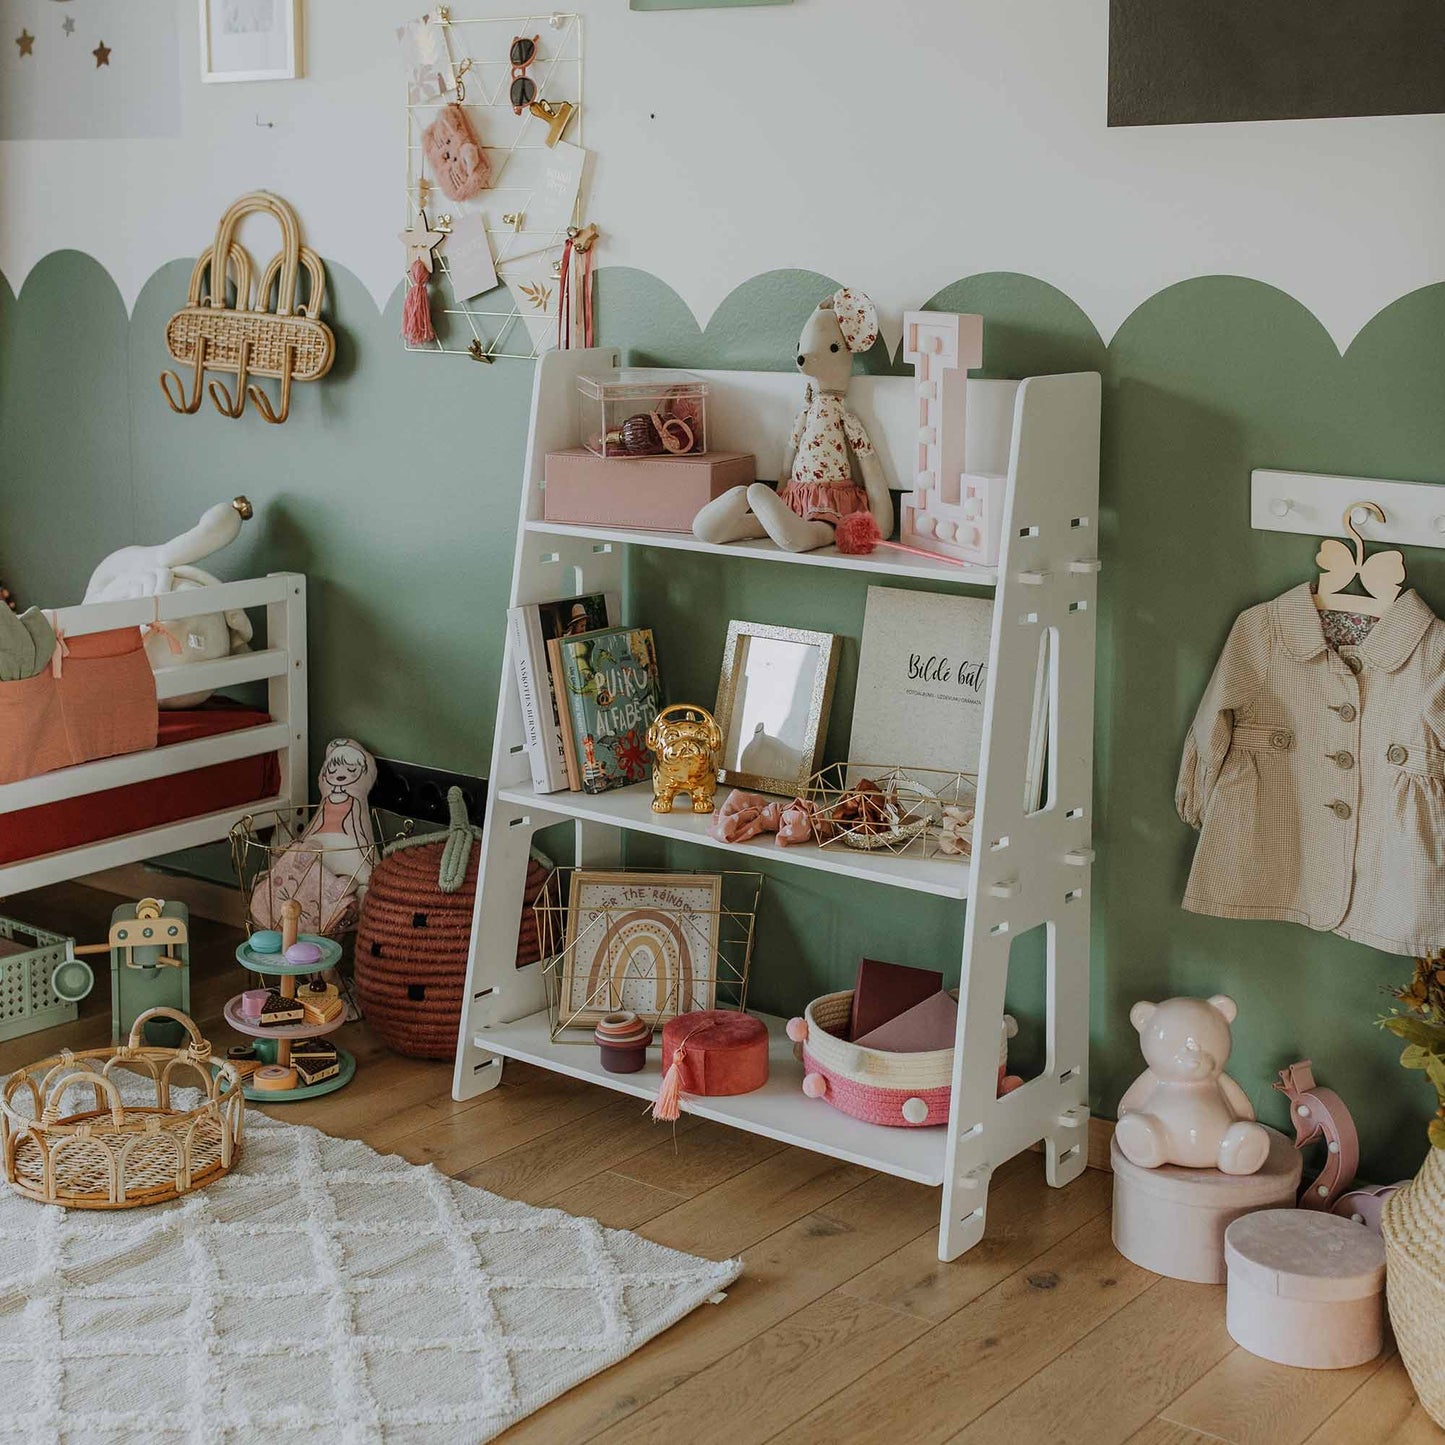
(589, 690)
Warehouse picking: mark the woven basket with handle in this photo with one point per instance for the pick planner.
(1413, 1223)
(118, 1156)
(226, 326)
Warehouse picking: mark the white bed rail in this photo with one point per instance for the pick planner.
(281, 664)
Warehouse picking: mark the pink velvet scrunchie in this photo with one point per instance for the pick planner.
(743, 816)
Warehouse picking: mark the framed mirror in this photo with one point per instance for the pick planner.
(772, 705)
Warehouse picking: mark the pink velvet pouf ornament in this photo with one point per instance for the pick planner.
(712, 1053)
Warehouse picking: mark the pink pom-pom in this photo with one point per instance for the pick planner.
(857, 534)
(797, 1030)
(815, 1086)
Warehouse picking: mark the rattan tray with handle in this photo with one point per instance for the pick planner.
(117, 1155)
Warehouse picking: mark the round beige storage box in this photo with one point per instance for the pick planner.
(1306, 1288)
(1172, 1220)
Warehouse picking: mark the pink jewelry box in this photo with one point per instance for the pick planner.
(658, 493)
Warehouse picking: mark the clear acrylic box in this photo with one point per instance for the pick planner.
(638, 411)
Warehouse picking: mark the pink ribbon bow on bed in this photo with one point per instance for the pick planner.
(745, 815)
(62, 648)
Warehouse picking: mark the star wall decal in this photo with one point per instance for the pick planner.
(102, 54)
(68, 25)
(26, 41)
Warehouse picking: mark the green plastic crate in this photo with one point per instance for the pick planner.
(27, 1001)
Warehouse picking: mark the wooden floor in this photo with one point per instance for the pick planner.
(844, 1326)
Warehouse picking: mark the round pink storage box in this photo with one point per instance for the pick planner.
(906, 1091)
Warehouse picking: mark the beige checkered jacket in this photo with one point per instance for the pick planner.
(1317, 776)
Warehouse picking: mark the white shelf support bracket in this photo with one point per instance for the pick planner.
(1083, 566)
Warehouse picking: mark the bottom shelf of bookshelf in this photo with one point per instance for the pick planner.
(778, 1110)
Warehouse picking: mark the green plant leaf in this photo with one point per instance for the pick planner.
(1437, 1133)
(1416, 1031)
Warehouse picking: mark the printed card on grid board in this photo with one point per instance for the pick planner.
(922, 677)
(468, 253)
(534, 293)
(542, 185)
(425, 61)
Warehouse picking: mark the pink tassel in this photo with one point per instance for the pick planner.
(416, 327)
(667, 1108)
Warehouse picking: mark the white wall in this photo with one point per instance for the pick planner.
(894, 145)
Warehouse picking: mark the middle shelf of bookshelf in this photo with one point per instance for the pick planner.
(631, 809)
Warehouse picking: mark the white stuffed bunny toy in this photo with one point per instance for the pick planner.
(817, 486)
(150, 571)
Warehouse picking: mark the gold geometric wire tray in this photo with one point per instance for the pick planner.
(893, 808)
(650, 941)
(120, 1156)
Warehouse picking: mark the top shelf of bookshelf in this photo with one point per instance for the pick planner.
(883, 562)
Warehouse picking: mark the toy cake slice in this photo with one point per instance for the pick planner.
(314, 1061)
(277, 1011)
(321, 1002)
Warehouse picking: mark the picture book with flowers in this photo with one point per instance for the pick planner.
(613, 693)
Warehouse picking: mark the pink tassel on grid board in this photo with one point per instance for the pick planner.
(668, 1105)
(416, 327)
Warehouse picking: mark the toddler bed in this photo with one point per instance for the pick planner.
(212, 764)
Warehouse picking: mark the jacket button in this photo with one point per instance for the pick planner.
(1354, 664)
(1347, 712)
(1342, 759)
(1396, 754)
(1279, 739)
(1340, 809)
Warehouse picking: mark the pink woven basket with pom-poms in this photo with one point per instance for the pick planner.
(899, 1090)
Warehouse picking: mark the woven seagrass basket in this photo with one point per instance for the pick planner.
(1413, 1224)
(119, 1156)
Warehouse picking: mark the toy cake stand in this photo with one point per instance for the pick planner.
(274, 1043)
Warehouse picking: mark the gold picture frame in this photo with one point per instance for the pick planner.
(774, 693)
(646, 942)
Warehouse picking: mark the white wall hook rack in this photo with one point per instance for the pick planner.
(1314, 505)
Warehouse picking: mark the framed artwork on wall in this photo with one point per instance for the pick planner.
(250, 40)
(645, 942)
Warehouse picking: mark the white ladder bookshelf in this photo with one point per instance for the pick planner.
(1028, 868)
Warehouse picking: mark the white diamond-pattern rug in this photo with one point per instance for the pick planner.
(321, 1291)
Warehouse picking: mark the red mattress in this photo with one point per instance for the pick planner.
(94, 817)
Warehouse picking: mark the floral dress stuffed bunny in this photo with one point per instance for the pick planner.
(817, 483)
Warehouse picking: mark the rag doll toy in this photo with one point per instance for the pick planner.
(149, 571)
(327, 868)
(817, 487)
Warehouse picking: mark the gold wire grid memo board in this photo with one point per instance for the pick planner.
(893, 808)
(474, 70)
(653, 942)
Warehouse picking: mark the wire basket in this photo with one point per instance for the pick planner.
(893, 808)
(117, 1155)
(654, 943)
(273, 865)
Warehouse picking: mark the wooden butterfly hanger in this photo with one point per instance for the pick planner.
(1382, 573)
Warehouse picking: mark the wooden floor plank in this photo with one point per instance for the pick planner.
(784, 1272)
(790, 1368)
(615, 1200)
(1249, 1401)
(706, 1156)
(1383, 1411)
(974, 1358)
(1160, 1431)
(1025, 1217)
(1119, 1377)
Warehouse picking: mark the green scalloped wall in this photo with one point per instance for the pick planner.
(393, 487)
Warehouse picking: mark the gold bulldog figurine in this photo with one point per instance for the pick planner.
(687, 741)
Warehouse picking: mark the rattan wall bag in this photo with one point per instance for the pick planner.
(241, 331)
(119, 1156)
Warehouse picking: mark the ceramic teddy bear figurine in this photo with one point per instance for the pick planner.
(1184, 1109)
(817, 486)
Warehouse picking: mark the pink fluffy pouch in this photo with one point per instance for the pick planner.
(458, 163)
